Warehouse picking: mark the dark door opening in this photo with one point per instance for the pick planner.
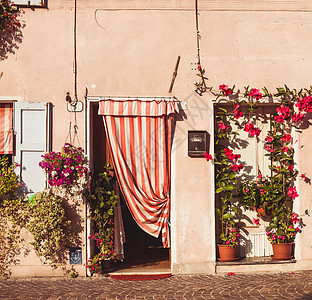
(141, 250)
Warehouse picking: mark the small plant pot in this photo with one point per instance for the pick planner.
(261, 211)
(227, 253)
(107, 266)
(282, 251)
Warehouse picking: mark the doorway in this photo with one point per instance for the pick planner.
(141, 251)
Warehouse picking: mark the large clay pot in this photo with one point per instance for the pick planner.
(282, 251)
(227, 253)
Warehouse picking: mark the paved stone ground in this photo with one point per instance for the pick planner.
(257, 286)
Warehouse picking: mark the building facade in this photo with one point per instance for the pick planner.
(93, 50)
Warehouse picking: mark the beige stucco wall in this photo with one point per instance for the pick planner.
(129, 48)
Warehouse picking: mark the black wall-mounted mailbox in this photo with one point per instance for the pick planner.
(197, 143)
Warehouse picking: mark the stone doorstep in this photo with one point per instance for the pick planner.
(256, 264)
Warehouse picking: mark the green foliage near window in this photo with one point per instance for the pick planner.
(50, 228)
(102, 201)
(12, 219)
(12, 215)
(261, 193)
(226, 180)
(9, 181)
(274, 193)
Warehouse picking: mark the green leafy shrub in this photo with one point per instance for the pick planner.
(50, 228)
(102, 200)
(13, 217)
(9, 180)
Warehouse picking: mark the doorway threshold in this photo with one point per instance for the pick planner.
(145, 268)
(150, 271)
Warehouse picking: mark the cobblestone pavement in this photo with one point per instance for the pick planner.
(257, 286)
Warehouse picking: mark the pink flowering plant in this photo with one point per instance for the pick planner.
(8, 20)
(284, 230)
(102, 201)
(104, 242)
(276, 192)
(67, 170)
(227, 166)
(232, 236)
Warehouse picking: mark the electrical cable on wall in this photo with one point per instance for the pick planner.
(96, 19)
(75, 101)
(75, 51)
(201, 85)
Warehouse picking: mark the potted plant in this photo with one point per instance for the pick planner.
(274, 193)
(230, 239)
(282, 233)
(227, 167)
(67, 171)
(102, 202)
(260, 194)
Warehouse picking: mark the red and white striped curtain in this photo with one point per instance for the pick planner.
(6, 130)
(140, 135)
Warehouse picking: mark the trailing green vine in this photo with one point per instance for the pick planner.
(9, 180)
(50, 228)
(102, 201)
(12, 219)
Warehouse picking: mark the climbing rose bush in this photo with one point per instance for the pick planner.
(68, 170)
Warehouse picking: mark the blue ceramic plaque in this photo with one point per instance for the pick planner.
(75, 257)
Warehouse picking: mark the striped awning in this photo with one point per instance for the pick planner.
(6, 128)
(134, 107)
(140, 135)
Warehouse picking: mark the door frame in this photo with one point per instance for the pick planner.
(88, 151)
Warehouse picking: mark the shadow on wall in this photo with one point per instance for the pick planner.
(10, 39)
(74, 212)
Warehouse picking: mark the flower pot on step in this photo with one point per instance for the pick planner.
(227, 253)
(282, 251)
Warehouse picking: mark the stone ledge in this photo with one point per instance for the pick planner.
(256, 265)
(256, 261)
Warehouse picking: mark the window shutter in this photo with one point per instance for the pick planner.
(32, 136)
(6, 130)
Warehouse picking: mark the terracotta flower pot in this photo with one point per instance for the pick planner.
(282, 251)
(227, 253)
(260, 211)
